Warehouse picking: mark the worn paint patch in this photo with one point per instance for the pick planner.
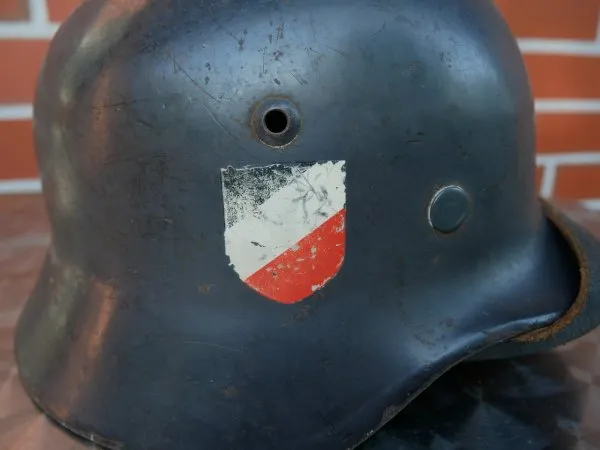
(285, 226)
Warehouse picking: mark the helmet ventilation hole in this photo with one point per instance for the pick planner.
(276, 121)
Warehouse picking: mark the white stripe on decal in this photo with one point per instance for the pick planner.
(314, 195)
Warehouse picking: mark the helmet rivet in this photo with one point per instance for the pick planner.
(448, 209)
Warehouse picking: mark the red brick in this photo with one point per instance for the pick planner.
(564, 19)
(562, 76)
(17, 158)
(59, 10)
(14, 10)
(577, 182)
(558, 133)
(22, 64)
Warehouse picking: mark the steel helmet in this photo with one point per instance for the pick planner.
(275, 223)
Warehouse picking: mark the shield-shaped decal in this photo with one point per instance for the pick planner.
(285, 226)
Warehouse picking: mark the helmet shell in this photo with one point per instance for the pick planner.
(141, 334)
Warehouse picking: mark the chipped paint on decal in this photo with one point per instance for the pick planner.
(285, 226)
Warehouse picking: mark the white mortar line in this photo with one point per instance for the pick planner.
(37, 27)
(38, 12)
(548, 179)
(570, 158)
(593, 204)
(27, 31)
(21, 186)
(559, 106)
(559, 47)
(575, 47)
(19, 111)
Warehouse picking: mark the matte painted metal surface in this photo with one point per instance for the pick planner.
(541, 402)
(139, 334)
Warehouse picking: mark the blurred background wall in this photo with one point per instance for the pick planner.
(559, 39)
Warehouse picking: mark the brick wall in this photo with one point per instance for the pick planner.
(559, 40)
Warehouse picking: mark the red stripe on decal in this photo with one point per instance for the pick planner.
(305, 268)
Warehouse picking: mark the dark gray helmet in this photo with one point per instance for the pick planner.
(275, 223)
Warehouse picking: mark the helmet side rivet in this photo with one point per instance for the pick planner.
(448, 209)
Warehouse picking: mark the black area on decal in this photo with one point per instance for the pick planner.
(246, 189)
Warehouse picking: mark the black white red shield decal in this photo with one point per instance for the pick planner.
(285, 226)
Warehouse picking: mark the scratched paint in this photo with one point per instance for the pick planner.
(285, 226)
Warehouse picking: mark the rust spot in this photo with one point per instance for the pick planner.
(426, 338)
(582, 297)
(303, 313)
(205, 288)
(106, 443)
(230, 392)
(492, 338)
(389, 414)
